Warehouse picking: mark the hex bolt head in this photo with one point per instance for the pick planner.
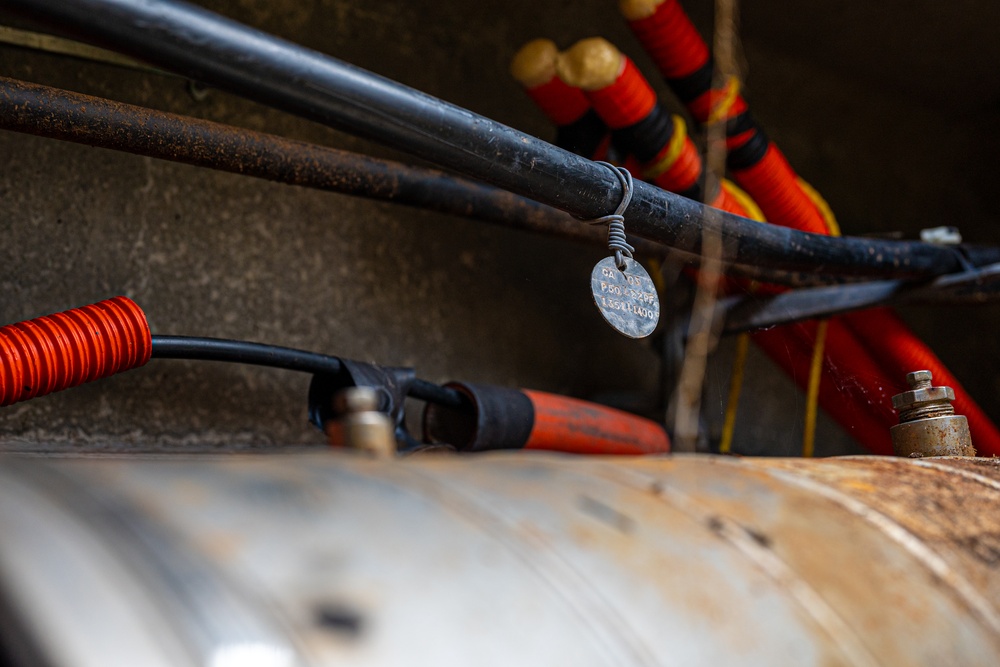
(922, 394)
(919, 379)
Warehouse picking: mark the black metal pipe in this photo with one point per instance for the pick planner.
(975, 287)
(207, 47)
(93, 121)
(59, 114)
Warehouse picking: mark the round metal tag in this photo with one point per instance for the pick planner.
(627, 299)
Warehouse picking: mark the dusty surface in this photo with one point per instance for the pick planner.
(890, 119)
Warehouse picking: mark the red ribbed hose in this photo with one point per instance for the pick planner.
(774, 185)
(843, 392)
(627, 100)
(671, 40)
(560, 102)
(67, 349)
(684, 172)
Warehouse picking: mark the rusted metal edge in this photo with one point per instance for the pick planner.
(978, 605)
(938, 464)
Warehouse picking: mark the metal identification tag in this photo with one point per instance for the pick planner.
(626, 297)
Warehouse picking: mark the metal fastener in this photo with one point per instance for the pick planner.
(361, 426)
(928, 425)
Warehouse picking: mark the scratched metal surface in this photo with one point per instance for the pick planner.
(506, 559)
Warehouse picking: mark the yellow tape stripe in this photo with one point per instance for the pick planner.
(720, 111)
(674, 149)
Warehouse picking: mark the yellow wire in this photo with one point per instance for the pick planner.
(674, 148)
(812, 395)
(829, 218)
(743, 340)
(720, 110)
(656, 273)
(816, 366)
(735, 387)
(744, 200)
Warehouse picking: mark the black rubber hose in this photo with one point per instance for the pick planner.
(207, 47)
(272, 356)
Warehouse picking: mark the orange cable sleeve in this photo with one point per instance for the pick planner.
(566, 424)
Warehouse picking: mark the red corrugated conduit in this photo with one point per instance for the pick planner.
(67, 349)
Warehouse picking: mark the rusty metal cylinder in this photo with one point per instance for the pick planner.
(506, 558)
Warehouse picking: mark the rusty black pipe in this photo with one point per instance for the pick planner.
(207, 47)
(93, 121)
(59, 114)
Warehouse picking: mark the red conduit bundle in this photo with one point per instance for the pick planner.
(629, 101)
(840, 399)
(775, 187)
(757, 165)
(624, 100)
(67, 349)
(679, 52)
(534, 67)
(669, 37)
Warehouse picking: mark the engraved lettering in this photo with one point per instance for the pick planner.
(626, 297)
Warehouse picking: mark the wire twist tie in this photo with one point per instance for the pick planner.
(617, 242)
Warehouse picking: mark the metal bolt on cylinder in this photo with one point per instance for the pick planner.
(361, 426)
(928, 425)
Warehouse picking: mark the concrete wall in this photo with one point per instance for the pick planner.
(222, 255)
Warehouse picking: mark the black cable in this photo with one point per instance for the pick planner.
(243, 352)
(435, 393)
(207, 47)
(273, 356)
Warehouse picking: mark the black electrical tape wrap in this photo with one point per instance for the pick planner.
(502, 418)
(689, 88)
(645, 139)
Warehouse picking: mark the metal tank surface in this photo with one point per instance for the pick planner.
(499, 559)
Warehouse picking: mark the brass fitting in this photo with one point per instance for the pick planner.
(591, 64)
(928, 425)
(361, 426)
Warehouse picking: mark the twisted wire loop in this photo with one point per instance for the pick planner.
(617, 242)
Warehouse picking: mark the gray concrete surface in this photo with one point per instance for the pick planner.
(864, 100)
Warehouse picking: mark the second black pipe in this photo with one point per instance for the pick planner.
(207, 47)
